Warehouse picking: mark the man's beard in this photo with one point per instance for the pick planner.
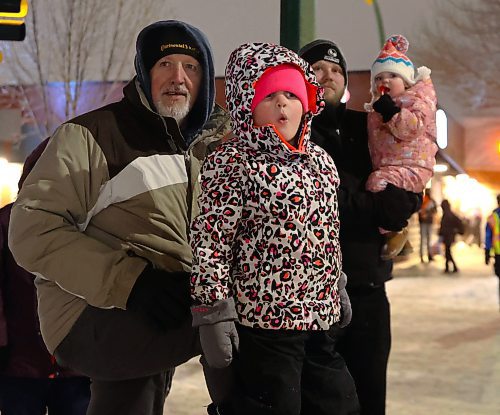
(178, 112)
(334, 96)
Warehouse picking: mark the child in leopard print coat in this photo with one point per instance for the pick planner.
(266, 245)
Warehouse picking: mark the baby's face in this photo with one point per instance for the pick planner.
(281, 109)
(392, 84)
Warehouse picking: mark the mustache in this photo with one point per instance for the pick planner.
(176, 89)
(330, 85)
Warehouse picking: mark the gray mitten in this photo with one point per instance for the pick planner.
(345, 303)
(218, 335)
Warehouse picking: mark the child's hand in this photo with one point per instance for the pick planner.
(218, 341)
(386, 107)
(218, 335)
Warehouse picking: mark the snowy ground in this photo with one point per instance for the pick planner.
(445, 356)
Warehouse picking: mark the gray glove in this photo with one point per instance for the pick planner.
(345, 303)
(218, 335)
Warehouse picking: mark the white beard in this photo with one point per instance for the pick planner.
(177, 112)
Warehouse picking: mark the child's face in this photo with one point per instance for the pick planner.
(392, 81)
(281, 109)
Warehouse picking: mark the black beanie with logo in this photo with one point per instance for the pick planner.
(322, 49)
(160, 43)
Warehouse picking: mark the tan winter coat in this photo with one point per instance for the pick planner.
(114, 188)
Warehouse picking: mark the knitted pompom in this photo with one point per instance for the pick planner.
(400, 43)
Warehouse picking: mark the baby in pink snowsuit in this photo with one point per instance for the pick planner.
(401, 125)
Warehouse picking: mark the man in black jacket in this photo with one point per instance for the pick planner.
(365, 343)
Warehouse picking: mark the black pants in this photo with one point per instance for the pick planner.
(448, 257)
(365, 345)
(62, 396)
(141, 396)
(496, 267)
(282, 372)
(126, 357)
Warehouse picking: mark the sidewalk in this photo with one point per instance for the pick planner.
(445, 357)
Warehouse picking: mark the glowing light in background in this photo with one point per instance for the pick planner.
(468, 196)
(440, 168)
(10, 173)
(442, 128)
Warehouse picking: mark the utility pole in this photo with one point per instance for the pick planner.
(297, 23)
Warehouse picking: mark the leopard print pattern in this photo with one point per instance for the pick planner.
(268, 228)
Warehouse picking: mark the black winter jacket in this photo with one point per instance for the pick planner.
(342, 133)
(451, 225)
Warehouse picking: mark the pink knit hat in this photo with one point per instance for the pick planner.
(285, 77)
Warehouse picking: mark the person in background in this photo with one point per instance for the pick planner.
(266, 248)
(31, 382)
(401, 128)
(364, 344)
(451, 225)
(103, 221)
(425, 220)
(492, 241)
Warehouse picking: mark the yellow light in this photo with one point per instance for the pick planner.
(11, 22)
(440, 168)
(498, 143)
(23, 11)
(9, 176)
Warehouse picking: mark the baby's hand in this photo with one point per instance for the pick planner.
(386, 107)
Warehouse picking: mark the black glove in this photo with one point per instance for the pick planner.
(163, 297)
(394, 206)
(4, 357)
(416, 200)
(386, 107)
(487, 256)
(345, 302)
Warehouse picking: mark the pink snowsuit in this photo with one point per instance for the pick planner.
(403, 149)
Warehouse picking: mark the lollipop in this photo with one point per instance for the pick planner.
(383, 89)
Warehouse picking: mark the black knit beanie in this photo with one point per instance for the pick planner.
(161, 42)
(323, 50)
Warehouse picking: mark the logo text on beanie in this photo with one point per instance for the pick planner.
(331, 55)
(178, 46)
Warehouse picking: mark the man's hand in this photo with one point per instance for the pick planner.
(218, 335)
(487, 256)
(394, 206)
(163, 297)
(345, 302)
(386, 107)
